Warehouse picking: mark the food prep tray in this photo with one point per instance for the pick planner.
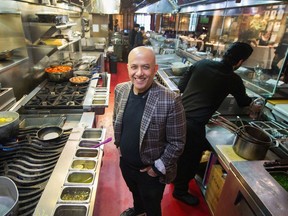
(75, 194)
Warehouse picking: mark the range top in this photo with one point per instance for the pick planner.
(59, 95)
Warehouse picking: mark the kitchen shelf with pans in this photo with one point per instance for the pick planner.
(44, 30)
(40, 51)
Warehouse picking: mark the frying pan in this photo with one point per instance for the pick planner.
(49, 133)
(85, 79)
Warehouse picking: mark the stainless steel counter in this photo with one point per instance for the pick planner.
(250, 189)
(53, 189)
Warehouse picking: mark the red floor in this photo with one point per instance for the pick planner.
(113, 196)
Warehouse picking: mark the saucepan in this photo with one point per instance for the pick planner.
(49, 133)
(251, 143)
(9, 196)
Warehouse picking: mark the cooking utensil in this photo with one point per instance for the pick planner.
(9, 196)
(59, 73)
(49, 133)
(9, 124)
(102, 143)
(81, 79)
(6, 54)
(251, 143)
(53, 18)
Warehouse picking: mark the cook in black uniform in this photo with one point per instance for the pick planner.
(204, 86)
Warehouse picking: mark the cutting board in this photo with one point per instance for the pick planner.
(228, 154)
(274, 102)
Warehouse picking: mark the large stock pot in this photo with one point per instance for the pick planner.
(251, 143)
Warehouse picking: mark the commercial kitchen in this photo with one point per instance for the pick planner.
(59, 62)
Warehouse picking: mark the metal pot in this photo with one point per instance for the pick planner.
(60, 76)
(9, 196)
(9, 128)
(251, 143)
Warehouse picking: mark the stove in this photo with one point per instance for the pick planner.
(29, 162)
(59, 95)
(54, 98)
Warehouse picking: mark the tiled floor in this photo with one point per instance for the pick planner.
(113, 196)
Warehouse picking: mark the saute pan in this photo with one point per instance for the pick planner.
(78, 80)
(49, 133)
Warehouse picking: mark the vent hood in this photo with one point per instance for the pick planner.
(115, 6)
(102, 6)
(161, 7)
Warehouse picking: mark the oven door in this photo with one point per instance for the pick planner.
(235, 199)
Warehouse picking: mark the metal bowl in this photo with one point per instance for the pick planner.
(8, 127)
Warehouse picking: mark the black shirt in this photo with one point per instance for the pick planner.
(130, 137)
(206, 84)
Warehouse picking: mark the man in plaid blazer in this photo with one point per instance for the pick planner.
(149, 129)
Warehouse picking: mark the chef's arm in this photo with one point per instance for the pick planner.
(185, 79)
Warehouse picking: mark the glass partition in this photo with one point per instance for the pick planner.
(264, 27)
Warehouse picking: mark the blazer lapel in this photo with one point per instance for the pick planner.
(150, 106)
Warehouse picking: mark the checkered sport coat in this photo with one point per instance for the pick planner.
(162, 130)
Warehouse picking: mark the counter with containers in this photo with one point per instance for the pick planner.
(233, 151)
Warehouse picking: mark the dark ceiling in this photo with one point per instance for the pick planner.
(134, 5)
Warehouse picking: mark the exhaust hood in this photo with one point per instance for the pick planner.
(102, 6)
(162, 6)
(115, 6)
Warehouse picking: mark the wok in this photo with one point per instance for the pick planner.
(49, 133)
(9, 124)
(9, 196)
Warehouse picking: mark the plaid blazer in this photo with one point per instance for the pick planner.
(162, 130)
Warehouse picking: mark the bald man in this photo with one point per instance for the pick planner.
(149, 130)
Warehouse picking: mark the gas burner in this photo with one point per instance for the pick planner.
(29, 162)
(59, 96)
